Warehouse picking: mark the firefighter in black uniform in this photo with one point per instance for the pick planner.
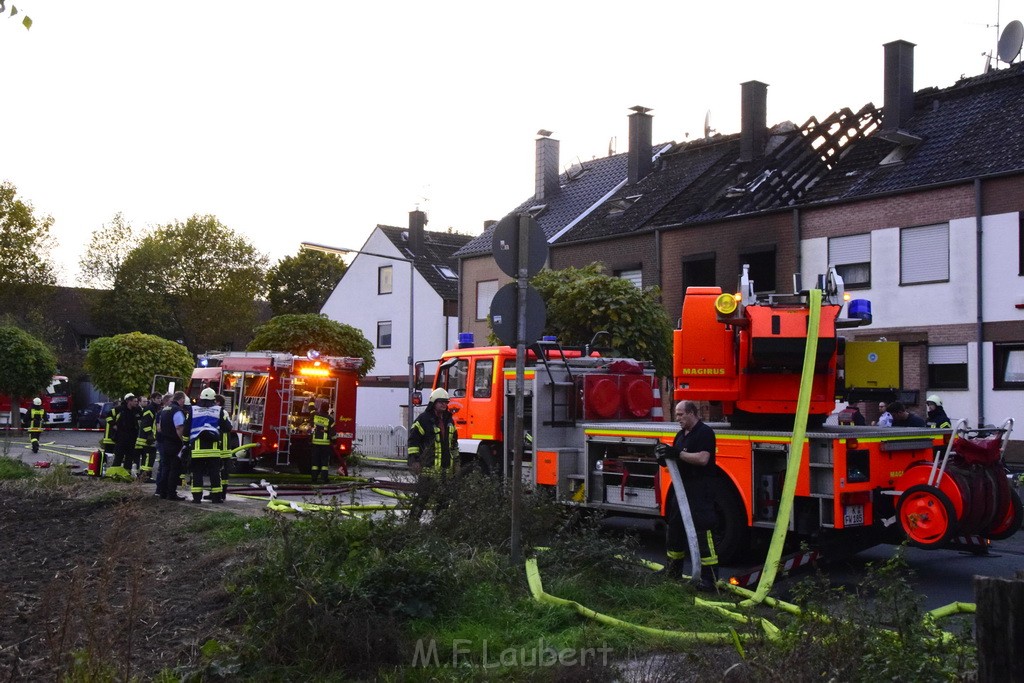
(433, 452)
(694, 450)
(109, 427)
(36, 418)
(170, 441)
(324, 435)
(126, 431)
(207, 424)
(145, 444)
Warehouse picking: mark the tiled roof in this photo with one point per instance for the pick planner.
(588, 183)
(973, 128)
(438, 251)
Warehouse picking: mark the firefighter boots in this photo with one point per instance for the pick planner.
(707, 580)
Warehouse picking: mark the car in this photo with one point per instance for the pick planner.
(92, 416)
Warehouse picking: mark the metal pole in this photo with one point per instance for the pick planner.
(412, 326)
(517, 461)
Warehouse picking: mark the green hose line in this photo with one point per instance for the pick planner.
(537, 589)
(390, 494)
(398, 461)
(951, 609)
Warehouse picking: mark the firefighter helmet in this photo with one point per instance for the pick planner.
(207, 394)
(934, 398)
(37, 401)
(129, 396)
(438, 395)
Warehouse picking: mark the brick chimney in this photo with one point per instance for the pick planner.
(417, 219)
(753, 120)
(640, 131)
(899, 85)
(547, 166)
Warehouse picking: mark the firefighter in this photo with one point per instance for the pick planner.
(170, 442)
(36, 418)
(207, 426)
(324, 434)
(109, 427)
(936, 414)
(694, 451)
(433, 451)
(228, 442)
(145, 444)
(126, 431)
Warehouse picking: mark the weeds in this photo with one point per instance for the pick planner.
(14, 469)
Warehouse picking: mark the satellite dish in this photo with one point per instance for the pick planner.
(1010, 41)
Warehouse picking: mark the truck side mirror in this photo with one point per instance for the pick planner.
(418, 375)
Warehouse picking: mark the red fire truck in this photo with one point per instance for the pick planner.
(594, 425)
(57, 403)
(271, 398)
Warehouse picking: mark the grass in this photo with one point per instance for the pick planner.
(14, 469)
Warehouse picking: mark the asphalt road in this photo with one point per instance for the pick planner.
(942, 576)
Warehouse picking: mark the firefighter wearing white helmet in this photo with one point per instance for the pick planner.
(936, 414)
(36, 419)
(433, 441)
(206, 426)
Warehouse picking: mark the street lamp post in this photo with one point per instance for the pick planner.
(412, 302)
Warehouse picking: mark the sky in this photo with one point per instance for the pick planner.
(317, 120)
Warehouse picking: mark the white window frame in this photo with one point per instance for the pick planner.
(924, 254)
(850, 254)
(381, 325)
(385, 280)
(485, 291)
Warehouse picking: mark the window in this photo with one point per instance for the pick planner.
(485, 292)
(947, 367)
(634, 275)
(924, 254)
(453, 377)
(483, 377)
(446, 272)
(852, 258)
(699, 271)
(384, 335)
(762, 268)
(1008, 366)
(384, 281)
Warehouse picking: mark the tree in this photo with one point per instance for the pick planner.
(583, 301)
(108, 248)
(26, 366)
(297, 334)
(25, 242)
(302, 283)
(196, 282)
(128, 362)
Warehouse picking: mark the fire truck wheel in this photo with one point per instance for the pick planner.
(1009, 520)
(926, 516)
(731, 533)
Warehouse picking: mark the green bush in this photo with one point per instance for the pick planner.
(14, 469)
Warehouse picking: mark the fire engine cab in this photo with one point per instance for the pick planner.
(271, 398)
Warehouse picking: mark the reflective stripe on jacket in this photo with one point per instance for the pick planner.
(427, 443)
(323, 430)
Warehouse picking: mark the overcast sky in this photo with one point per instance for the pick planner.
(318, 120)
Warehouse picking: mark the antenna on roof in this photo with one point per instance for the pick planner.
(611, 145)
(708, 130)
(1010, 41)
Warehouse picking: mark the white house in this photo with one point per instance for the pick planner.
(393, 269)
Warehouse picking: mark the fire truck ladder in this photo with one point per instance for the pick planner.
(281, 427)
(563, 391)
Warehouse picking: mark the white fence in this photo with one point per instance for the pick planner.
(382, 441)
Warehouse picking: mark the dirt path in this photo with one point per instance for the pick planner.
(109, 572)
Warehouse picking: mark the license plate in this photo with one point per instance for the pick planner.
(853, 515)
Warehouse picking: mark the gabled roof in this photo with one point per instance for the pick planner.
(971, 129)
(580, 189)
(437, 256)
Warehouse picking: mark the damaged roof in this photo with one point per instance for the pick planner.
(972, 129)
(436, 264)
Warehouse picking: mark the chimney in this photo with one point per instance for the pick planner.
(417, 219)
(753, 120)
(547, 166)
(640, 128)
(899, 85)
(488, 223)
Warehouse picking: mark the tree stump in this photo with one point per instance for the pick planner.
(999, 628)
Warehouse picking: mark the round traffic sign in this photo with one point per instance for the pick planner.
(504, 318)
(505, 245)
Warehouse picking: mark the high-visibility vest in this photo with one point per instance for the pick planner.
(323, 425)
(205, 431)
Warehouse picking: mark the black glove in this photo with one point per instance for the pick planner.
(661, 452)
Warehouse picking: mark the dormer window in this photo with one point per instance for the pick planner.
(447, 272)
(617, 206)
